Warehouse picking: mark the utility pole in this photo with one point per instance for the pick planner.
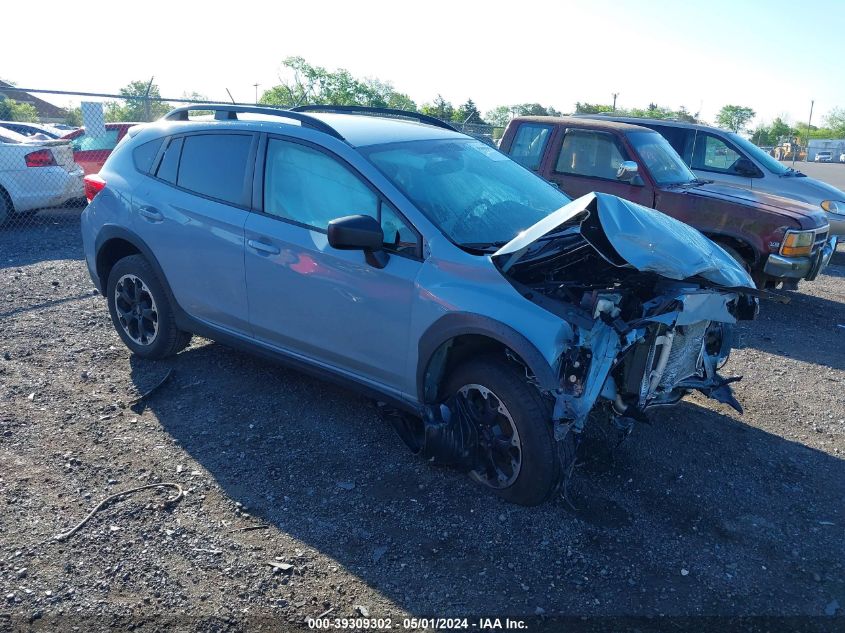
(256, 92)
(147, 111)
(615, 94)
(809, 121)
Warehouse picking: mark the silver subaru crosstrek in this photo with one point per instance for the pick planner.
(488, 312)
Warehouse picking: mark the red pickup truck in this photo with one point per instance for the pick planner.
(777, 240)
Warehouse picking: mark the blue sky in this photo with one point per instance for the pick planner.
(773, 56)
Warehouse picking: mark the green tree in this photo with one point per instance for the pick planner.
(74, 116)
(780, 131)
(11, 110)
(499, 116)
(440, 108)
(835, 120)
(135, 108)
(302, 83)
(762, 135)
(468, 113)
(592, 108)
(734, 117)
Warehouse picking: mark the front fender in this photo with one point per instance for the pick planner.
(456, 324)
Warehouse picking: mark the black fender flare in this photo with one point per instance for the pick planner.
(110, 232)
(456, 324)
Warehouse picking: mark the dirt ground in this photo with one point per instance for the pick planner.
(705, 512)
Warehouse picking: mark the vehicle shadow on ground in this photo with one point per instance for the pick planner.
(48, 235)
(748, 515)
(806, 329)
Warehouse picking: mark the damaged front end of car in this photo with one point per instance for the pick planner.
(651, 301)
(651, 306)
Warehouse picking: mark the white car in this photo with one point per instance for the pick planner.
(823, 157)
(842, 157)
(36, 174)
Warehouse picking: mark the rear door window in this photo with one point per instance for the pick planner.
(711, 153)
(529, 144)
(589, 153)
(169, 166)
(215, 165)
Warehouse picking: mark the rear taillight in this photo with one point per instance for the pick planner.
(93, 185)
(41, 158)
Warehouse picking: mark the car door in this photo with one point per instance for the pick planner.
(588, 160)
(191, 212)
(329, 306)
(712, 157)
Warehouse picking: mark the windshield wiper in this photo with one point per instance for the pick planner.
(483, 246)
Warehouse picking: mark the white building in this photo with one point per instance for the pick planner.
(834, 146)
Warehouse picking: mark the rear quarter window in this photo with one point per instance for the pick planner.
(144, 155)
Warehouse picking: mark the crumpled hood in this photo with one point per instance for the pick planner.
(626, 233)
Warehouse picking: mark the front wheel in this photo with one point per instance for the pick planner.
(518, 455)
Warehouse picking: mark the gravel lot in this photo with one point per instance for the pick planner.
(705, 512)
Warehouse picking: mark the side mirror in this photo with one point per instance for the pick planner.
(745, 167)
(359, 233)
(628, 170)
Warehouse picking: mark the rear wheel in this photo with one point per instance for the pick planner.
(141, 310)
(519, 456)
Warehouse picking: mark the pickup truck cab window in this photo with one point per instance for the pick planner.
(664, 164)
(713, 154)
(589, 153)
(530, 143)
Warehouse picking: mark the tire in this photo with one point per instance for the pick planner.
(759, 278)
(141, 310)
(539, 471)
(6, 207)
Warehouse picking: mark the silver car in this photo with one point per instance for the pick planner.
(722, 156)
(490, 313)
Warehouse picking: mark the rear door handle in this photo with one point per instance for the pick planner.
(151, 213)
(263, 247)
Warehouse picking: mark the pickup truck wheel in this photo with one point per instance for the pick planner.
(140, 310)
(519, 456)
(759, 278)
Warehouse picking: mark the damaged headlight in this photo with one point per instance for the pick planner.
(797, 243)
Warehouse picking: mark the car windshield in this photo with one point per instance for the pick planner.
(10, 136)
(663, 162)
(475, 195)
(769, 162)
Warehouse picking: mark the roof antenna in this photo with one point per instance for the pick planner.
(230, 95)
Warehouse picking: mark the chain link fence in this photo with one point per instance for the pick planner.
(43, 161)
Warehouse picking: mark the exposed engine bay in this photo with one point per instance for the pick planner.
(651, 306)
(645, 330)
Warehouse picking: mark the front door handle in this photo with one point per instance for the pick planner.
(263, 247)
(151, 213)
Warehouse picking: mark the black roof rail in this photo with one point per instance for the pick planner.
(229, 112)
(349, 109)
